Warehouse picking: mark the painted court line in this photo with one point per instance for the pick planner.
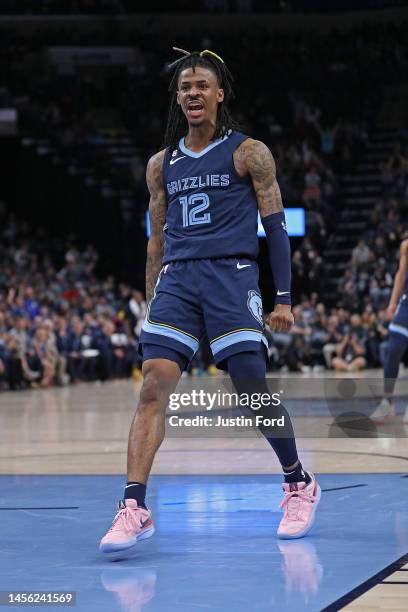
(44, 508)
(367, 585)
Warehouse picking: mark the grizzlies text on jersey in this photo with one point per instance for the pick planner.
(212, 212)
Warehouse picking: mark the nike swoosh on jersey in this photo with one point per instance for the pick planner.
(282, 292)
(239, 267)
(173, 161)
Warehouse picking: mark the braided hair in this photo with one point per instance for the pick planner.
(177, 124)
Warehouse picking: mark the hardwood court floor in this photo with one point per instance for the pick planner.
(84, 429)
(215, 504)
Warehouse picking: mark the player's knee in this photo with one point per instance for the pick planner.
(157, 384)
(149, 393)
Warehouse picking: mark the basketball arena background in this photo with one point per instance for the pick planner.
(83, 105)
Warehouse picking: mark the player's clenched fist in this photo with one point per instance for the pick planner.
(281, 319)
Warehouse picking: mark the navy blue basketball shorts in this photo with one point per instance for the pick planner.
(219, 297)
(399, 324)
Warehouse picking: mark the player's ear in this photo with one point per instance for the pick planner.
(178, 98)
(220, 95)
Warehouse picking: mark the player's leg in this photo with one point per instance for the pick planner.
(397, 345)
(359, 363)
(339, 364)
(302, 492)
(234, 321)
(160, 378)
(133, 521)
(168, 341)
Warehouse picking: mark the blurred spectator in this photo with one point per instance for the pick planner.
(350, 354)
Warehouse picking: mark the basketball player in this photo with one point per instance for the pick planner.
(206, 187)
(397, 339)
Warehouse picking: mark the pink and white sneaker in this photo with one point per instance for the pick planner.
(299, 508)
(130, 525)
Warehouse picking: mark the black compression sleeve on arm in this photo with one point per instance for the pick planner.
(279, 255)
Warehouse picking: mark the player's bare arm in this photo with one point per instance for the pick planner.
(399, 279)
(157, 215)
(253, 158)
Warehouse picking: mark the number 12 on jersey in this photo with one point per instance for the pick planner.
(193, 209)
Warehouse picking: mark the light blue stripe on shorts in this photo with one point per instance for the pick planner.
(399, 329)
(235, 337)
(170, 332)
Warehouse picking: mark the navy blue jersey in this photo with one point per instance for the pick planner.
(406, 283)
(211, 211)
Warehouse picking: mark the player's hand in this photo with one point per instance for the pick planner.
(281, 319)
(390, 312)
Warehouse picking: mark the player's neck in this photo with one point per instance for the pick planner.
(198, 138)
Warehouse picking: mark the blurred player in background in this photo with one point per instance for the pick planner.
(206, 187)
(398, 338)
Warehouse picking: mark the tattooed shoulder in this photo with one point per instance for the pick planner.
(254, 158)
(154, 172)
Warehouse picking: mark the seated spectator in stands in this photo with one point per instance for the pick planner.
(137, 312)
(318, 337)
(377, 339)
(356, 328)
(17, 367)
(312, 192)
(122, 360)
(20, 333)
(43, 357)
(332, 339)
(31, 305)
(74, 346)
(298, 355)
(361, 255)
(350, 354)
(59, 362)
(107, 359)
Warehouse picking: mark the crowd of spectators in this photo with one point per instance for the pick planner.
(369, 276)
(59, 323)
(330, 338)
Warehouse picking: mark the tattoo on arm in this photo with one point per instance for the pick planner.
(157, 215)
(254, 158)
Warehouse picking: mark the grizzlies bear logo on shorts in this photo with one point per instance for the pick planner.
(254, 304)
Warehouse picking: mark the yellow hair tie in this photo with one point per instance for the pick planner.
(208, 52)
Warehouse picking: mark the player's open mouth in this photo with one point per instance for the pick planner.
(195, 109)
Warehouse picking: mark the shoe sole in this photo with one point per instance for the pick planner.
(301, 534)
(111, 549)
